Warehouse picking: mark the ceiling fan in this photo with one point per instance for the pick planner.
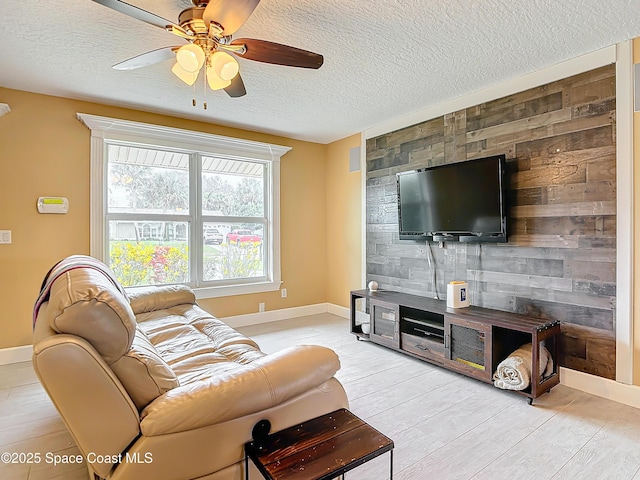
(208, 27)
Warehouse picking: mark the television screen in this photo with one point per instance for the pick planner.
(464, 199)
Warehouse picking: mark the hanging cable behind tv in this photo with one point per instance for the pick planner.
(432, 267)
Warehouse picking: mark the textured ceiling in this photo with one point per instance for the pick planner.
(383, 58)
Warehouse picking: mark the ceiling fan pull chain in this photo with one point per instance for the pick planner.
(194, 94)
(204, 83)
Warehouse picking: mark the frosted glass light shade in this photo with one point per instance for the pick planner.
(225, 66)
(187, 77)
(190, 57)
(214, 81)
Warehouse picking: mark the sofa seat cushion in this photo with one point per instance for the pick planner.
(190, 322)
(196, 345)
(262, 384)
(224, 362)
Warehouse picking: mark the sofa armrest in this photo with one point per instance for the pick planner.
(89, 397)
(150, 299)
(260, 385)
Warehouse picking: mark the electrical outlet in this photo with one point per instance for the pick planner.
(283, 292)
(261, 307)
(5, 237)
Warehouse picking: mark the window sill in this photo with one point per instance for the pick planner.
(230, 290)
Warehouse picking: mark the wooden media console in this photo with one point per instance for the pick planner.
(470, 340)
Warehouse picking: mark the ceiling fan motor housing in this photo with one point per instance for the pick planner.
(191, 20)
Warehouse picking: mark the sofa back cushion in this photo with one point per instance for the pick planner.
(161, 297)
(143, 373)
(86, 302)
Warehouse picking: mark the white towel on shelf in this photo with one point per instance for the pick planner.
(514, 372)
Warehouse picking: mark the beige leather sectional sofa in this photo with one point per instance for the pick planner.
(153, 387)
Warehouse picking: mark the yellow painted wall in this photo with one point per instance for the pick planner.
(45, 150)
(636, 232)
(344, 223)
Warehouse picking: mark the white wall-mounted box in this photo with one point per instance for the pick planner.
(53, 205)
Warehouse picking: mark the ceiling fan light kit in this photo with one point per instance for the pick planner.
(214, 80)
(224, 65)
(208, 26)
(190, 57)
(187, 77)
(221, 67)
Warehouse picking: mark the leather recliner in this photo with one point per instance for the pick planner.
(153, 387)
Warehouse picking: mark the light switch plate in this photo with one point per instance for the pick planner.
(5, 237)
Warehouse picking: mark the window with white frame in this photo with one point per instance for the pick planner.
(175, 206)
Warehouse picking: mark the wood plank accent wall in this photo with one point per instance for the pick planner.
(559, 140)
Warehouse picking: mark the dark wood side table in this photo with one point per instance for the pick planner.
(319, 449)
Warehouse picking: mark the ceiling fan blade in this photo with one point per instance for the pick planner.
(229, 14)
(269, 52)
(139, 14)
(236, 89)
(149, 58)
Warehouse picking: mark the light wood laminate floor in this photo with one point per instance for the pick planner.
(444, 425)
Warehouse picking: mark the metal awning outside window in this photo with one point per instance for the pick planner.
(167, 159)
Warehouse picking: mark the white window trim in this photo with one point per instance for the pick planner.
(111, 129)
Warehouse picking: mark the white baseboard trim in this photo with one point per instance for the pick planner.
(338, 310)
(284, 314)
(16, 354)
(602, 387)
(273, 315)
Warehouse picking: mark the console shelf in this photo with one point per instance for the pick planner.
(471, 340)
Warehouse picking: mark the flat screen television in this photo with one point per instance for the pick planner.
(462, 201)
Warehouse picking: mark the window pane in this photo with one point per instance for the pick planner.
(149, 252)
(233, 251)
(232, 188)
(142, 180)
